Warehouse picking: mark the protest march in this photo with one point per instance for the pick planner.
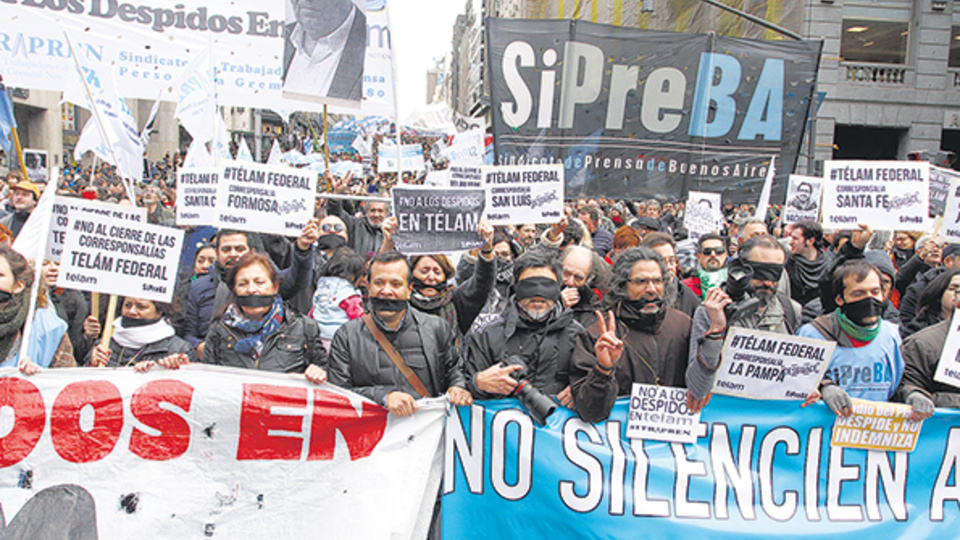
(627, 294)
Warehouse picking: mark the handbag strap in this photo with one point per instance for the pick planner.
(396, 358)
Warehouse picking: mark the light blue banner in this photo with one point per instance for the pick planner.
(760, 469)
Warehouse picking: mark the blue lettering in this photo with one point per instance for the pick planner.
(707, 94)
(768, 97)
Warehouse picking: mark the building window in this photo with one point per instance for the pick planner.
(955, 37)
(875, 31)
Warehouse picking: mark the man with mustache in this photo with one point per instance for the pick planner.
(640, 339)
(763, 257)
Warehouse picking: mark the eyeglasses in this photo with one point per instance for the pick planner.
(576, 277)
(641, 282)
(327, 227)
(712, 251)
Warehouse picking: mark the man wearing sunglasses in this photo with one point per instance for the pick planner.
(712, 259)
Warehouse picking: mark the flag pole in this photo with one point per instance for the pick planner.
(16, 142)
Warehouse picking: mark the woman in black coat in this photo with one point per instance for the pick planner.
(143, 337)
(258, 331)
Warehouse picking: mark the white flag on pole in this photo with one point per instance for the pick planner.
(765, 192)
(276, 156)
(243, 151)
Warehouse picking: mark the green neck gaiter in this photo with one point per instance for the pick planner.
(856, 332)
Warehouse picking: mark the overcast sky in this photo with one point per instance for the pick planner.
(421, 31)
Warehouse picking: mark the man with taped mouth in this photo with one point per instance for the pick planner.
(866, 363)
(760, 260)
(639, 339)
(532, 340)
(395, 354)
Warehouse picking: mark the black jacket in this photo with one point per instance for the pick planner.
(545, 349)
(72, 308)
(121, 356)
(654, 355)
(362, 237)
(359, 364)
(201, 300)
(921, 353)
(290, 349)
(908, 302)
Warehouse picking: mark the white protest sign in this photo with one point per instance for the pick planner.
(411, 159)
(467, 148)
(197, 195)
(116, 256)
(949, 229)
(702, 215)
(886, 195)
(437, 178)
(767, 365)
(206, 451)
(948, 368)
(660, 413)
(940, 181)
(877, 426)
(264, 198)
(523, 194)
(465, 177)
(803, 199)
(62, 206)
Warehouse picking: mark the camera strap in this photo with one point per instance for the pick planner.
(395, 357)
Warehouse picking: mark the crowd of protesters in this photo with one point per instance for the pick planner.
(614, 293)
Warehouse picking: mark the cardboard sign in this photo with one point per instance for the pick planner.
(948, 368)
(61, 219)
(197, 196)
(940, 180)
(115, 256)
(949, 226)
(767, 365)
(263, 198)
(702, 214)
(660, 413)
(886, 195)
(437, 220)
(877, 426)
(523, 194)
(803, 199)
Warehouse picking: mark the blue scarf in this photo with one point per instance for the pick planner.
(259, 330)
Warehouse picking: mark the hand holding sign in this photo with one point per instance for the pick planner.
(486, 232)
(608, 347)
(309, 235)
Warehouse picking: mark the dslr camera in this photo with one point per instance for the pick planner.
(736, 285)
(537, 405)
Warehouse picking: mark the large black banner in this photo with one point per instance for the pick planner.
(637, 113)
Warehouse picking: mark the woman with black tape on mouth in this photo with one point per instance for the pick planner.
(256, 330)
(143, 338)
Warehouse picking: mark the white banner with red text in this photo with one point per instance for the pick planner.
(210, 452)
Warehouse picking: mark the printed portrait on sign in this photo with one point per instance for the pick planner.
(324, 48)
(805, 198)
(36, 162)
